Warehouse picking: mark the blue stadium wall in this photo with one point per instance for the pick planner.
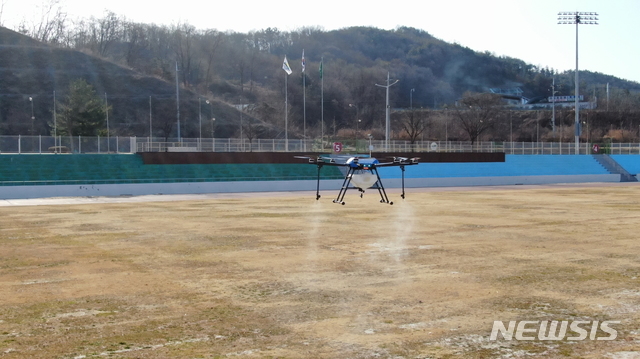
(37, 176)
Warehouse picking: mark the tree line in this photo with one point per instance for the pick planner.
(245, 70)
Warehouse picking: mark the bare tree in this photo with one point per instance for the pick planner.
(135, 37)
(50, 27)
(2, 11)
(478, 112)
(210, 43)
(166, 126)
(414, 124)
(102, 34)
(161, 48)
(252, 130)
(183, 39)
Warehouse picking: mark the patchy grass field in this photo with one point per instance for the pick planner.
(291, 277)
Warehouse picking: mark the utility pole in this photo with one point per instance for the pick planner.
(150, 121)
(106, 111)
(178, 102)
(387, 127)
(577, 18)
(55, 124)
(553, 106)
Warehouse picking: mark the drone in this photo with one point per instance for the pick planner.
(362, 173)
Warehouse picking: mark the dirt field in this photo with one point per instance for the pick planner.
(286, 276)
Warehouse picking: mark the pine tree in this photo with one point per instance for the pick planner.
(82, 113)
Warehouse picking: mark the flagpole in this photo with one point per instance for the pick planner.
(321, 105)
(304, 112)
(304, 106)
(178, 103)
(286, 113)
(287, 72)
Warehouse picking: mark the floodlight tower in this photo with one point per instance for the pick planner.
(577, 18)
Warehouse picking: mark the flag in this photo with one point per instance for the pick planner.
(285, 66)
(320, 69)
(303, 60)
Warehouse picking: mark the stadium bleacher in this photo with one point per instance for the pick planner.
(69, 175)
(129, 168)
(631, 163)
(514, 165)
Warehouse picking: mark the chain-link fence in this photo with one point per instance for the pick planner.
(66, 144)
(117, 144)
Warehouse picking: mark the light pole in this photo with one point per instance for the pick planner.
(411, 108)
(210, 114)
(178, 103)
(446, 129)
(241, 127)
(511, 129)
(357, 127)
(55, 124)
(200, 119)
(411, 98)
(577, 18)
(538, 135)
(355, 137)
(106, 112)
(150, 124)
(387, 127)
(33, 118)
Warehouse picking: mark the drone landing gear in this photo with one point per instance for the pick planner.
(402, 170)
(318, 186)
(347, 182)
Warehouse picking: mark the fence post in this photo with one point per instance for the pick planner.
(79, 145)
(133, 145)
(117, 143)
(40, 144)
(19, 145)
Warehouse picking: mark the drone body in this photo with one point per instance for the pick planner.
(362, 174)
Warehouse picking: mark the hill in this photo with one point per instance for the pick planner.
(134, 64)
(35, 72)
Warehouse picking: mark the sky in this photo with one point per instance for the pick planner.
(527, 30)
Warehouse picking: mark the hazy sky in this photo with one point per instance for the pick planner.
(527, 30)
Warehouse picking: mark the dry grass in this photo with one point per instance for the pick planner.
(289, 277)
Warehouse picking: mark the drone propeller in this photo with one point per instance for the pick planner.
(396, 159)
(310, 159)
(404, 159)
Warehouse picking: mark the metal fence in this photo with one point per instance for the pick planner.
(66, 144)
(117, 144)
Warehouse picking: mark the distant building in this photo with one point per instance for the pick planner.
(514, 97)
